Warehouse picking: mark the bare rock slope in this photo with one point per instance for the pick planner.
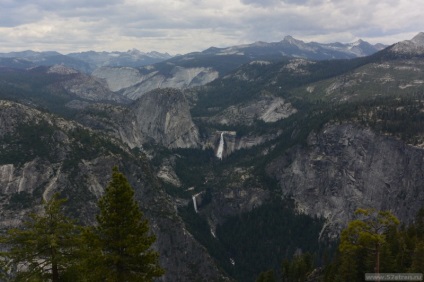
(162, 116)
(134, 83)
(345, 167)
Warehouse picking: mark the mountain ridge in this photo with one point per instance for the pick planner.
(408, 47)
(88, 61)
(293, 47)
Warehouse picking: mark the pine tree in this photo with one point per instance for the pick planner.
(266, 276)
(367, 233)
(418, 258)
(45, 248)
(417, 263)
(120, 245)
(298, 268)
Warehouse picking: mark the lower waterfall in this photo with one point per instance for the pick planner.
(194, 203)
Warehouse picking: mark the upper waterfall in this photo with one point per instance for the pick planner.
(220, 147)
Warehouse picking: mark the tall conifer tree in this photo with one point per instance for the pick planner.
(121, 242)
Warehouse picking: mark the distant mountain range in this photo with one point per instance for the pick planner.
(131, 58)
(292, 47)
(221, 59)
(84, 61)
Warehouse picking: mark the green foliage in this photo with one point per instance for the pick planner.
(414, 245)
(51, 247)
(266, 276)
(192, 165)
(274, 78)
(367, 234)
(88, 145)
(297, 269)
(418, 258)
(20, 200)
(27, 142)
(45, 248)
(375, 243)
(199, 227)
(119, 247)
(368, 231)
(35, 87)
(260, 239)
(223, 64)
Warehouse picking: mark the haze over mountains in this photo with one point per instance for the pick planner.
(292, 47)
(289, 46)
(84, 61)
(306, 133)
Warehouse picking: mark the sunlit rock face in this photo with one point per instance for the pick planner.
(161, 116)
(267, 108)
(133, 83)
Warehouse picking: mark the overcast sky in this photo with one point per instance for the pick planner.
(182, 26)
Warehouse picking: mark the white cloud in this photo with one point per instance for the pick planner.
(180, 26)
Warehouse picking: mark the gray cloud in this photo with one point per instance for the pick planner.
(273, 3)
(179, 26)
(264, 3)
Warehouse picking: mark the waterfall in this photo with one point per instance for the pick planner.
(220, 147)
(194, 203)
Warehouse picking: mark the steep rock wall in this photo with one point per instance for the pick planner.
(162, 116)
(135, 83)
(345, 167)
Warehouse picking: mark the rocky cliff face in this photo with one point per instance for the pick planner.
(82, 85)
(161, 116)
(267, 108)
(135, 83)
(178, 77)
(415, 46)
(42, 154)
(118, 78)
(233, 143)
(345, 167)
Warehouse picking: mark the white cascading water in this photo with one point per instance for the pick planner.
(220, 147)
(194, 203)
(213, 233)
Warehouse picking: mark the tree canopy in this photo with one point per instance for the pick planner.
(45, 248)
(120, 245)
(367, 233)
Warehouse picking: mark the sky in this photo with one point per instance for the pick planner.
(182, 26)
